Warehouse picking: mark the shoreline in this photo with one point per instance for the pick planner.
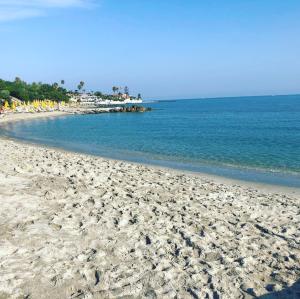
(217, 178)
(13, 117)
(76, 225)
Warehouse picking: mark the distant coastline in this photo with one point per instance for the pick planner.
(20, 96)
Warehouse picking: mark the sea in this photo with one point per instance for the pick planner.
(254, 139)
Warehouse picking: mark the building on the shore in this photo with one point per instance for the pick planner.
(83, 98)
(87, 99)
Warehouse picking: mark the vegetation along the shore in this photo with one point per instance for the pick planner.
(32, 91)
(20, 96)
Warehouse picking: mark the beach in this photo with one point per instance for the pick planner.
(80, 226)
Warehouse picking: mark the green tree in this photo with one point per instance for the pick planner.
(4, 94)
(34, 91)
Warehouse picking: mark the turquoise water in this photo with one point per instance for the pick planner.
(250, 138)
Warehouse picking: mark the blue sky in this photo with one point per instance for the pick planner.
(161, 48)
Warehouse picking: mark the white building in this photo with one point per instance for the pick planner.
(89, 100)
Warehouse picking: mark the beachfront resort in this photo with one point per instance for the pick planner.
(21, 97)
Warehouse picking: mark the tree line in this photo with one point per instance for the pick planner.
(35, 91)
(29, 92)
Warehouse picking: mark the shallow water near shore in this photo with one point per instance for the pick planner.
(250, 138)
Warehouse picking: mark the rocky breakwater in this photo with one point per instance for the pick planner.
(134, 108)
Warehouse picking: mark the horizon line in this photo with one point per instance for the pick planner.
(223, 97)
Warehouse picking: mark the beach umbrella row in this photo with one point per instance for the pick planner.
(34, 105)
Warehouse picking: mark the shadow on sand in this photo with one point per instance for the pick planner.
(292, 292)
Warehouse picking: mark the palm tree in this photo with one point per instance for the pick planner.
(17, 79)
(115, 89)
(80, 85)
(126, 90)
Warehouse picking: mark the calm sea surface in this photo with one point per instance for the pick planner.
(249, 138)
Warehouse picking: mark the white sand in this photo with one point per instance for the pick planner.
(5, 118)
(77, 226)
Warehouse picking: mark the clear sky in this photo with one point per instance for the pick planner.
(161, 48)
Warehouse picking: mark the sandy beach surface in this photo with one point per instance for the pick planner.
(12, 117)
(78, 226)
